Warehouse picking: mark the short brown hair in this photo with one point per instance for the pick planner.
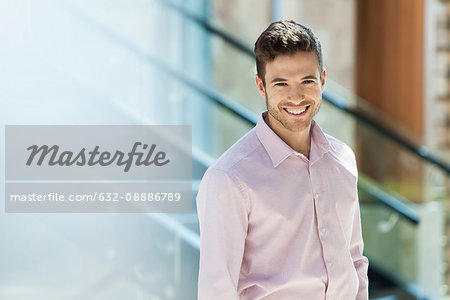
(285, 38)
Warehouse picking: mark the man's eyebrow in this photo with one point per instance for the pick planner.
(310, 77)
(278, 79)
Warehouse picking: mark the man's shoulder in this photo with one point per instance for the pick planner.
(338, 146)
(240, 150)
(341, 152)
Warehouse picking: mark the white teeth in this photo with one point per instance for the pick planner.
(296, 111)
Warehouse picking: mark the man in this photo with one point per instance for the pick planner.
(279, 212)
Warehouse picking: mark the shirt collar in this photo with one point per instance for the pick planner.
(278, 150)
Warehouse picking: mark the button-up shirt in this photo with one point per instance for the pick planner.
(276, 225)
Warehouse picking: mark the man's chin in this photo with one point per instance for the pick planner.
(298, 128)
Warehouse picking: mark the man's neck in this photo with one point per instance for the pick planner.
(300, 141)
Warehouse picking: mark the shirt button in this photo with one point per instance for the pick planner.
(323, 230)
(316, 195)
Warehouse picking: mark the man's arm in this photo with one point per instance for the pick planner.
(360, 262)
(223, 216)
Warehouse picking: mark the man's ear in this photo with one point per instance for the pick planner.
(322, 78)
(260, 85)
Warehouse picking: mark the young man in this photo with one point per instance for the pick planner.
(279, 212)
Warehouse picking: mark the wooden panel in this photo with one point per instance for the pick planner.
(389, 55)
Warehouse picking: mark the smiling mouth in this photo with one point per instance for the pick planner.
(297, 111)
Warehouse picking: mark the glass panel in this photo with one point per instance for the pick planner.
(389, 240)
(234, 74)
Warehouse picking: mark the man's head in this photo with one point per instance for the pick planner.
(290, 76)
(285, 38)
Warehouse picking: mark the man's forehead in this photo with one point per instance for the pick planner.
(303, 73)
(298, 64)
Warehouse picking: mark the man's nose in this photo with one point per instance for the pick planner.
(296, 93)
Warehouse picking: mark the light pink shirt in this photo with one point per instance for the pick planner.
(277, 226)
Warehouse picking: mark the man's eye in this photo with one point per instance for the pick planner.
(308, 81)
(281, 83)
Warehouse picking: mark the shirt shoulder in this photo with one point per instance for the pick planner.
(242, 150)
(343, 154)
(226, 176)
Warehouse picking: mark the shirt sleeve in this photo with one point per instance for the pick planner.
(360, 262)
(223, 218)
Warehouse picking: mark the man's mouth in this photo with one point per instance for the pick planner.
(297, 111)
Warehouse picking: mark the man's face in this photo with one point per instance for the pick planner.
(293, 90)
